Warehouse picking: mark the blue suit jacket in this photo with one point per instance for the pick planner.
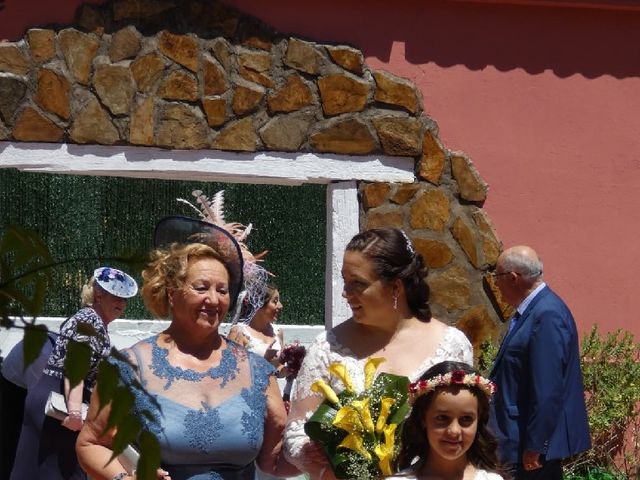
(539, 404)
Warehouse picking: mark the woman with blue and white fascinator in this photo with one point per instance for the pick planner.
(46, 449)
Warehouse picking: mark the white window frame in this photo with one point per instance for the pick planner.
(339, 172)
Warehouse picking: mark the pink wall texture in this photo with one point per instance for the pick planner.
(544, 99)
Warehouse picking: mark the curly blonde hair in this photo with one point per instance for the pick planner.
(167, 270)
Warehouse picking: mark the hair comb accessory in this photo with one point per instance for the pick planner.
(410, 248)
(457, 377)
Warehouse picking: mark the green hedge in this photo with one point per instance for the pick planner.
(99, 218)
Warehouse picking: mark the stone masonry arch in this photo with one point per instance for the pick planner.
(197, 75)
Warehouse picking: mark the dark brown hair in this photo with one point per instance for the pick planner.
(393, 258)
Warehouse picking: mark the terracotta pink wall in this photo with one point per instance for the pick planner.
(545, 100)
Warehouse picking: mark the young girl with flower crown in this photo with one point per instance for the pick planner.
(446, 437)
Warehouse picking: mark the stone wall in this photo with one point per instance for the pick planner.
(200, 75)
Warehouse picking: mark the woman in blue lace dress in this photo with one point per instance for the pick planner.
(221, 409)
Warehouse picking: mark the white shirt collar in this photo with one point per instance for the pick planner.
(529, 298)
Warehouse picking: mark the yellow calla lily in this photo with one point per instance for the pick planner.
(320, 386)
(385, 407)
(348, 418)
(370, 368)
(339, 370)
(362, 406)
(354, 442)
(384, 451)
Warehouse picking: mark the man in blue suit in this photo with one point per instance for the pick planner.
(538, 411)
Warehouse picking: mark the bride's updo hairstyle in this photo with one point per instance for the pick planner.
(168, 270)
(394, 257)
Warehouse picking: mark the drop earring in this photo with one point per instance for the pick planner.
(395, 302)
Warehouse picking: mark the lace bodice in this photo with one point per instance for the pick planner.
(210, 424)
(326, 350)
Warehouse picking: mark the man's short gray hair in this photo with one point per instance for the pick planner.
(528, 267)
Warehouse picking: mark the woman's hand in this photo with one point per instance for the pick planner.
(316, 463)
(162, 474)
(73, 421)
(313, 452)
(73, 399)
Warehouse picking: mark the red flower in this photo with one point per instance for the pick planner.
(291, 357)
(457, 377)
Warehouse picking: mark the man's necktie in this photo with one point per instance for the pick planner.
(512, 324)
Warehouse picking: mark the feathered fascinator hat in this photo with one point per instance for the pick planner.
(226, 238)
(179, 229)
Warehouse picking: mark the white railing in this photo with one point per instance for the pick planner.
(125, 333)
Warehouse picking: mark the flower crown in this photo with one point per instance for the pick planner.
(457, 377)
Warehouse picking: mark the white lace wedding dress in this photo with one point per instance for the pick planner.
(325, 350)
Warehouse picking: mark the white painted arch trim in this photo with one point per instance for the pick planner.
(203, 165)
(339, 172)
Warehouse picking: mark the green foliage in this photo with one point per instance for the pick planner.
(360, 459)
(149, 456)
(24, 259)
(611, 372)
(108, 220)
(596, 474)
(488, 352)
(25, 264)
(77, 361)
(35, 337)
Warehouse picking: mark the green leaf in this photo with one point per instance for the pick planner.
(128, 431)
(77, 362)
(121, 405)
(108, 376)
(320, 425)
(400, 413)
(149, 457)
(86, 329)
(35, 336)
(24, 261)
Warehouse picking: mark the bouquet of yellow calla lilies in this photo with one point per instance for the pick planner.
(359, 431)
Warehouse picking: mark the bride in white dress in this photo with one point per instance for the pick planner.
(384, 284)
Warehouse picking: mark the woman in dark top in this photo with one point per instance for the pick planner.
(46, 449)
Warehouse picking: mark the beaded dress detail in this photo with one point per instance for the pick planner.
(208, 426)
